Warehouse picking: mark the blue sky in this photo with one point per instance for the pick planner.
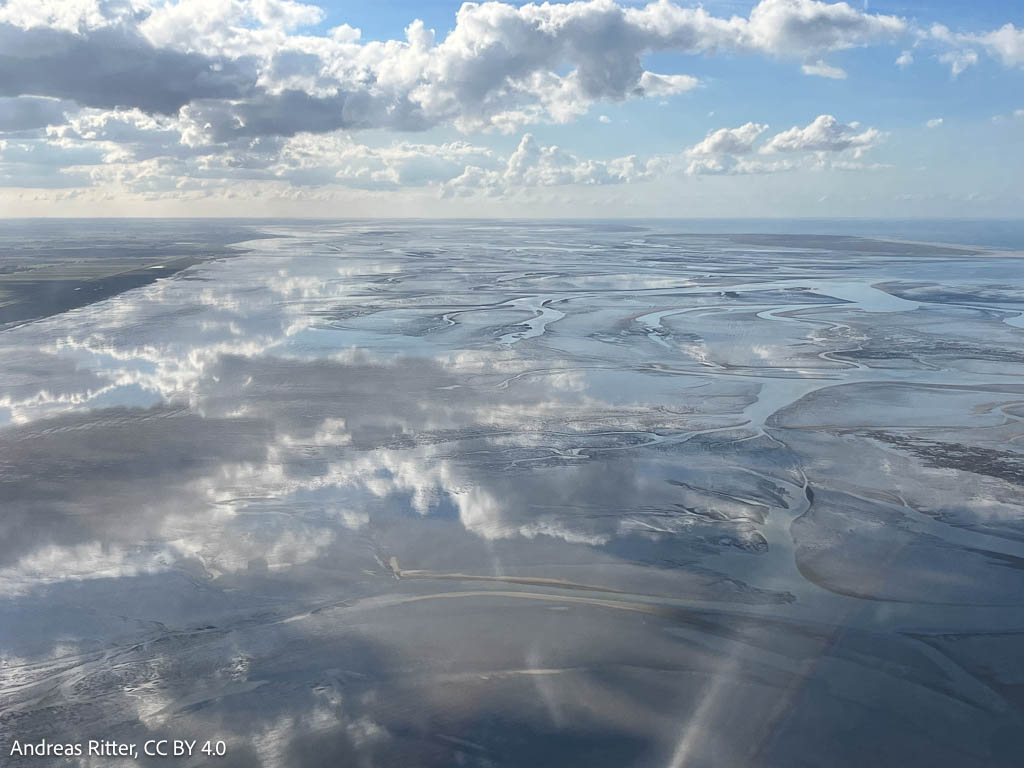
(277, 107)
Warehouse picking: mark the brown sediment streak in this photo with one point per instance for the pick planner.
(620, 605)
(540, 581)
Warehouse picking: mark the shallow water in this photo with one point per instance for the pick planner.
(516, 494)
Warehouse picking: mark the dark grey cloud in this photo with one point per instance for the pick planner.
(24, 113)
(293, 111)
(114, 67)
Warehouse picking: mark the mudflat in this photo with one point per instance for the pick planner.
(508, 494)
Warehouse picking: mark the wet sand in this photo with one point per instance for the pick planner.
(49, 267)
(522, 494)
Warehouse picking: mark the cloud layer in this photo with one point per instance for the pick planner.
(240, 69)
(186, 96)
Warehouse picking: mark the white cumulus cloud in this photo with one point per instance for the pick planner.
(823, 143)
(535, 165)
(735, 141)
(824, 134)
(959, 61)
(1007, 43)
(821, 69)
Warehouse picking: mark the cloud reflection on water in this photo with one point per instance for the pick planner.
(307, 495)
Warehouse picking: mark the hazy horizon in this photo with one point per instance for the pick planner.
(989, 233)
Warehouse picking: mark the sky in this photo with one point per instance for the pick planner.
(595, 108)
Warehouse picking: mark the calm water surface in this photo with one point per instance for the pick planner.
(514, 494)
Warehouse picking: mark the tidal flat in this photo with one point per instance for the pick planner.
(418, 493)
